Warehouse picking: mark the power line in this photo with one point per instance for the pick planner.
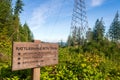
(60, 10)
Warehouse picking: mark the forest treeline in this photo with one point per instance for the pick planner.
(11, 28)
(99, 40)
(97, 33)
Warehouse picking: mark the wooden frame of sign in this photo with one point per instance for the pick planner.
(34, 55)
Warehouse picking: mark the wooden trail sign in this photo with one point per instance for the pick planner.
(32, 55)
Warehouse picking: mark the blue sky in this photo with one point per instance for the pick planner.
(50, 20)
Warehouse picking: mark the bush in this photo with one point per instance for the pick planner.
(73, 65)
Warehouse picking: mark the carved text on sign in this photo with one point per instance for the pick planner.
(30, 55)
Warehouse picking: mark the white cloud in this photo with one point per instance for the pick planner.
(43, 12)
(97, 2)
(43, 19)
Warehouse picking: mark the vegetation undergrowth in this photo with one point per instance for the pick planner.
(73, 65)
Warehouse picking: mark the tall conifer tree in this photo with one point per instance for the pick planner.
(5, 19)
(28, 35)
(114, 31)
(98, 31)
(17, 10)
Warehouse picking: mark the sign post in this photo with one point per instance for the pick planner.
(36, 74)
(36, 71)
(34, 55)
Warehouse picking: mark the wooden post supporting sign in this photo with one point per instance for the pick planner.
(36, 71)
(36, 74)
(34, 55)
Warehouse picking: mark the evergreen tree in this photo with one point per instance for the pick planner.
(95, 30)
(70, 41)
(22, 33)
(114, 31)
(89, 35)
(6, 28)
(74, 36)
(76, 39)
(79, 40)
(18, 7)
(17, 10)
(28, 35)
(99, 29)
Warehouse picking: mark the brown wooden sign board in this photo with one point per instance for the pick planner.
(31, 55)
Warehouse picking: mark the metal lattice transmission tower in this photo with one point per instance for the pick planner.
(79, 19)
